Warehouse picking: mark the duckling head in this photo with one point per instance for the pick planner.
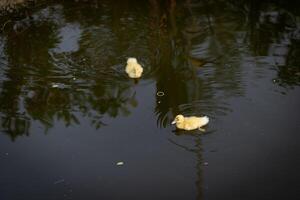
(178, 119)
(131, 60)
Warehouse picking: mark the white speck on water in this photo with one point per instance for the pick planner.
(120, 163)
(30, 94)
(59, 85)
(55, 85)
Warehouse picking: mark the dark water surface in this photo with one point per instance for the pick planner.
(69, 113)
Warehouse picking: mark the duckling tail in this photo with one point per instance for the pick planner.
(205, 120)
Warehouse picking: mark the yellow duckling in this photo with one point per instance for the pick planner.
(133, 68)
(190, 123)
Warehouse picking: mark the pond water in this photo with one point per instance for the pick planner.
(74, 126)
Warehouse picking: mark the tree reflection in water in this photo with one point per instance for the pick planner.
(90, 84)
(203, 51)
(65, 61)
(200, 48)
(206, 48)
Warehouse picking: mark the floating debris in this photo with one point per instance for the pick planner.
(54, 85)
(30, 94)
(120, 163)
(59, 85)
(205, 163)
(160, 93)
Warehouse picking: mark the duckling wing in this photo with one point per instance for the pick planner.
(131, 71)
(142, 69)
(128, 69)
(139, 70)
(192, 123)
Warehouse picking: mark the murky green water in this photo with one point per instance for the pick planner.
(69, 113)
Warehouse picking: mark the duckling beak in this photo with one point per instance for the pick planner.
(173, 122)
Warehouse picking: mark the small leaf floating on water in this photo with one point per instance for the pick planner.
(120, 163)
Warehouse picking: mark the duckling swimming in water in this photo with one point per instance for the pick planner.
(190, 123)
(133, 68)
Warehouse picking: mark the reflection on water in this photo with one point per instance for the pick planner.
(197, 150)
(195, 51)
(64, 61)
